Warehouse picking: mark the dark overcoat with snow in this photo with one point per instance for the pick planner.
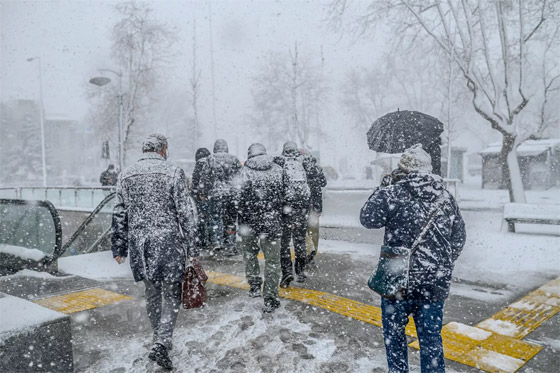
(403, 209)
(223, 171)
(316, 180)
(152, 206)
(261, 198)
(201, 179)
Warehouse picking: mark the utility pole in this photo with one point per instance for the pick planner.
(212, 71)
(42, 120)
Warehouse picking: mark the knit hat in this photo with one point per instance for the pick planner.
(154, 143)
(415, 159)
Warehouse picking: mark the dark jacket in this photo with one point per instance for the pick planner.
(261, 197)
(223, 171)
(301, 198)
(403, 210)
(201, 175)
(152, 206)
(108, 178)
(316, 180)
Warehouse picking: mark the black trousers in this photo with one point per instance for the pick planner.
(294, 226)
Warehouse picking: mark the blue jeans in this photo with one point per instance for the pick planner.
(222, 222)
(428, 319)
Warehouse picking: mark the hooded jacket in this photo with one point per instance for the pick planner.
(201, 175)
(152, 207)
(223, 169)
(261, 198)
(403, 209)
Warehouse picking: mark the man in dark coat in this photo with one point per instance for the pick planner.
(200, 189)
(109, 176)
(154, 220)
(296, 207)
(260, 218)
(403, 208)
(223, 171)
(317, 181)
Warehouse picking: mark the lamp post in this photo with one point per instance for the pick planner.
(42, 119)
(100, 82)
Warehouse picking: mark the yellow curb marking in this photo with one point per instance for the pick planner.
(472, 346)
(81, 300)
(528, 313)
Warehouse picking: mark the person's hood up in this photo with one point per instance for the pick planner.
(256, 149)
(290, 149)
(424, 186)
(221, 146)
(201, 153)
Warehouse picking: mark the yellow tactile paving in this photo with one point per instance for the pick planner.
(474, 346)
(331, 302)
(81, 300)
(483, 349)
(528, 313)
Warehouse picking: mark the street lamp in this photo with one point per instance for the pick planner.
(100, 81)
(42, 118)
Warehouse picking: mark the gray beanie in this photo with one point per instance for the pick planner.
(416, 159)
(154, 142)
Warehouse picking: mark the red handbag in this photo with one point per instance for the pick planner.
(194, 279)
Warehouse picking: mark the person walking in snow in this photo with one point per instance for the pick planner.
(155, 222)
(317, 181)
(261, 198)
(200, 190)
(296, 208)
(223, 169)
(109, 176)
(406, 203)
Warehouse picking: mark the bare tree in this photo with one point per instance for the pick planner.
(141, 48)
(288, 95)
(494, 45)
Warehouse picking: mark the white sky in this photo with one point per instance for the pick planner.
(73, 39)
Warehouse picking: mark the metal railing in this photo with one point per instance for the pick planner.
(61, 197)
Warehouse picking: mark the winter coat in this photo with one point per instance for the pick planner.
(108, 178)
(223, 170)
(316, 180)
(152, 206)
(261, 198)
(291, 153)
(403, 209)
(201, 179)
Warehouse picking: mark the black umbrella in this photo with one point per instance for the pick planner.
(397, 131)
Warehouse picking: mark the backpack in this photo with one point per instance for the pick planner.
(296, 188)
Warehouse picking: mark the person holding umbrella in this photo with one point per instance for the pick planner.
(422, 223)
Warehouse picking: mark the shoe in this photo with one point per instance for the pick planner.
(301, 278)
(255, 291)
(230, 252)
(160, 356)
(286, 279)
(270, 304)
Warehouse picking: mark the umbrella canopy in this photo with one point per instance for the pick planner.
(397, 131)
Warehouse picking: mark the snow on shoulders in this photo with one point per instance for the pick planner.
(22, 252)
(96, 266)
(19, 314)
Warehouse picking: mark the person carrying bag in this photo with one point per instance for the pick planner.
(424, 235)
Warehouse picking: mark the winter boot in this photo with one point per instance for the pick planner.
(301, 277)
(270, 304)
(160, 356)
(255, 291)
(286, 279)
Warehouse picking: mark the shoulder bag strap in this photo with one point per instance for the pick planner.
(424, 230)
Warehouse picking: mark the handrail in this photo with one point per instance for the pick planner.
(62, 199)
